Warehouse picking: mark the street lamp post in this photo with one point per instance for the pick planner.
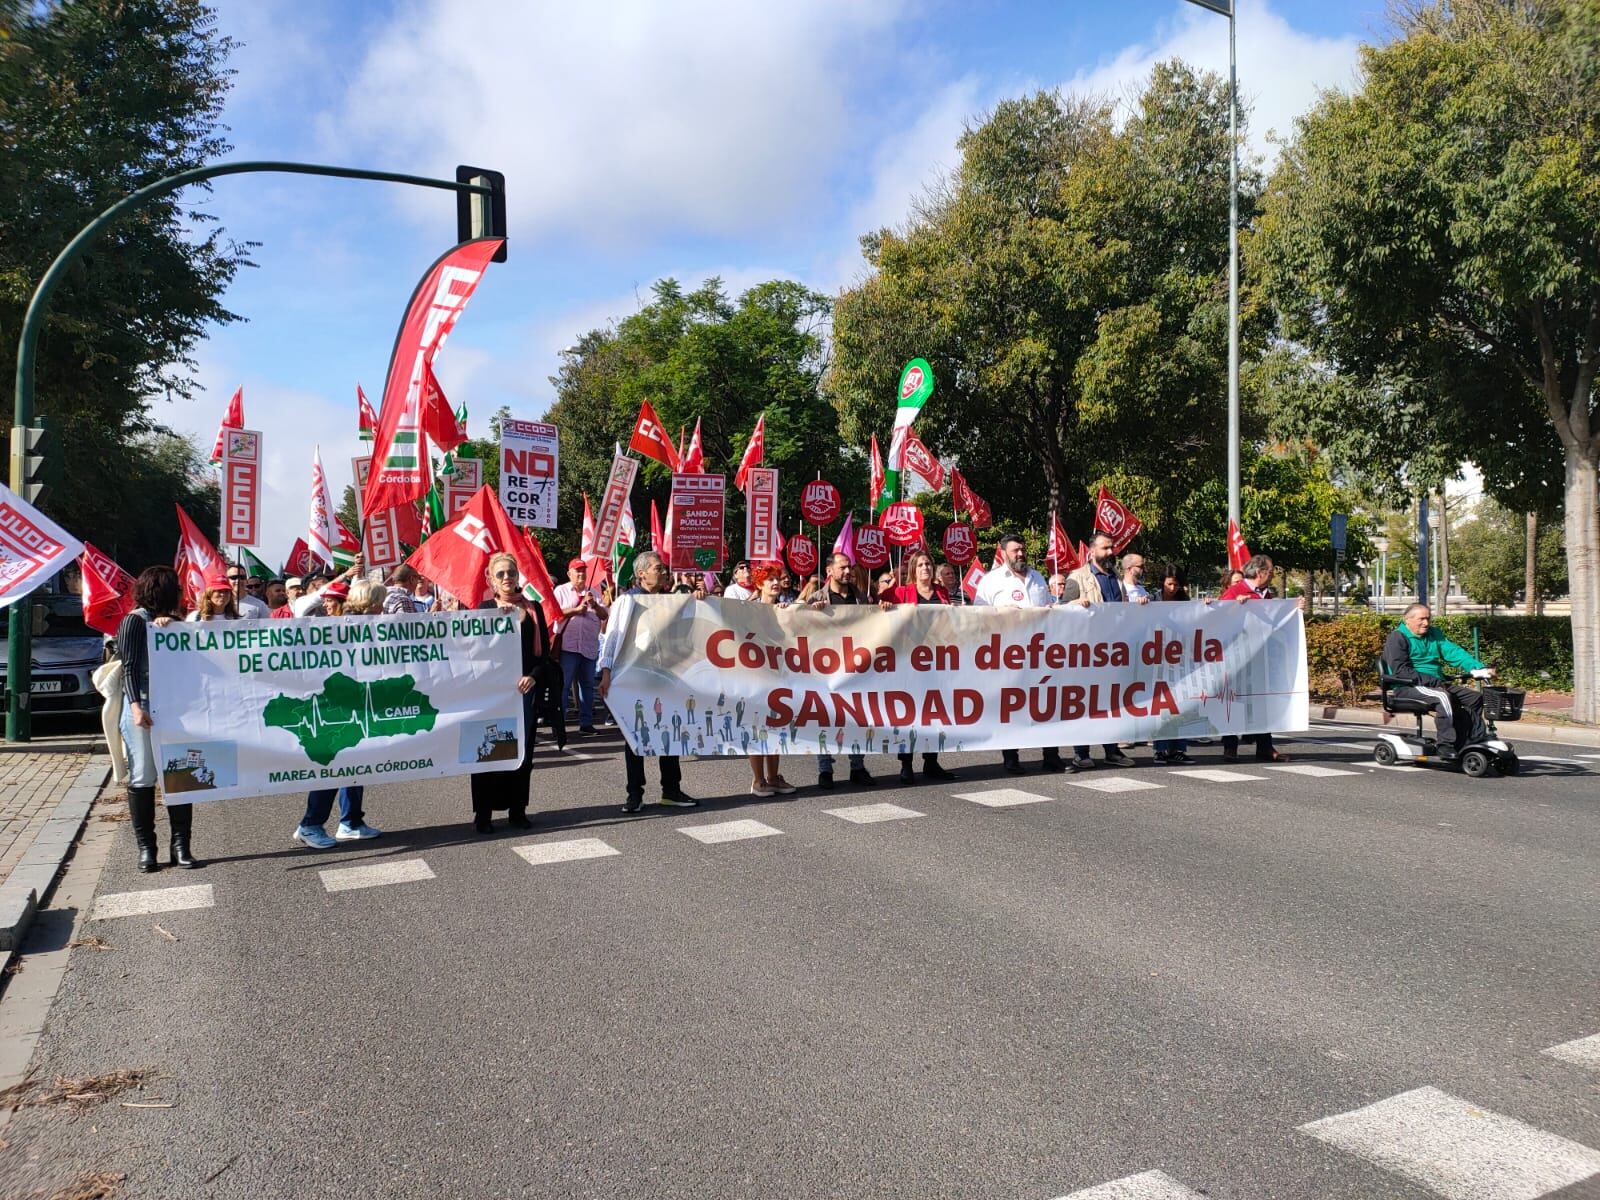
(1226, 9)
(1381, 544)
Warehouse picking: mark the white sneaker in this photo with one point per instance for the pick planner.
(757, 789)
(355, 833)
(314, 836)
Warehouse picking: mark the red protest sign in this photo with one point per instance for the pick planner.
(820, 502)
(960, 543)
(761, 539)
(241, 487)
(902, 523)
(971, 580)
(802, 554)
(872, 551)
(695, 522)
(1115, 519)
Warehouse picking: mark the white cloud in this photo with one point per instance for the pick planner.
(1281, 69)
(625, 119)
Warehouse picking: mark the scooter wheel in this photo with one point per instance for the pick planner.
(1476, 763)
(1510, 764)
(1383, 754)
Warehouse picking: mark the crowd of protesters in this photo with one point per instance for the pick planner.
(572, 662)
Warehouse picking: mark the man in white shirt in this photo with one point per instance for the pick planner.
(740, 588)
(250, 607)
(1133, 579)
(582, 611)
(1014, 584)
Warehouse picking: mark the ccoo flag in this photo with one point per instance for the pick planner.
(916, 385)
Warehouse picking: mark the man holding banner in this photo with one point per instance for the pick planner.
(582, 612)
(1014, 584)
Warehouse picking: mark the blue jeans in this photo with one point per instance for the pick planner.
(141, 754)
(320, 803)
(577, 666)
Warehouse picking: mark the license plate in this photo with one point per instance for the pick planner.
(46, 685)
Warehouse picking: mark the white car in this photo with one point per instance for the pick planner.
(64, 657)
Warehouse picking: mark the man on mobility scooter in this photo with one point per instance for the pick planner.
(1416, 659)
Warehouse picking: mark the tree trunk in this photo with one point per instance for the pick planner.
(1444, 552)
(1582, 528)
(1530, 593)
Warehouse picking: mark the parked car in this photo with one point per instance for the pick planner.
(65, 655)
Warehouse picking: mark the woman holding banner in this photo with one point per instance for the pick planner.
(765, 780)
(157, 596)
(921, 589)
(509, 789)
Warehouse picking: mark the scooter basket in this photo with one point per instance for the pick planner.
(1503, 703)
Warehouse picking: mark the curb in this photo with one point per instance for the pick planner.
(1565, 735)
(31, 880)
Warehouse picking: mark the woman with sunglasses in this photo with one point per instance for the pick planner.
(509, 789)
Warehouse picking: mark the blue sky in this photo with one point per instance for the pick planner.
(639, 139)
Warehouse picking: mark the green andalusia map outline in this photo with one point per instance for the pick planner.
(345, 713)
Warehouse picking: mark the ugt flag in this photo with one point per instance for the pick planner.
(916, 385)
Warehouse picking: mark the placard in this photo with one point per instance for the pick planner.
(699, 507)
(461, 485)
(761, 538)
(619, 486)
(380, 536)
(241, 487)
(530, 462)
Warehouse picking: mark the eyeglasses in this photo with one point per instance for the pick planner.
(235, 578)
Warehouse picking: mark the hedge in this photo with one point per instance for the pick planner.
(1526, 652)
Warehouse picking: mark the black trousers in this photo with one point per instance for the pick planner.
(1263, 741)
(671, 773)
(1051, 754)
(1457, 712)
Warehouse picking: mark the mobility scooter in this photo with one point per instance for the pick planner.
(1476, 759)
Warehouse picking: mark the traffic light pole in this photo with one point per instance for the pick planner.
(19, 675)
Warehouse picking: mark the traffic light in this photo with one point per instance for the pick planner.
(32, 461)
(478, 215)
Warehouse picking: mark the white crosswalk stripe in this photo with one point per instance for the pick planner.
(1311, 770)
(1002, 797)
(1115, 783)
(154, 900)
(1461, 1151)
(1583, 1052)
(1211, 775)
(349, 879)
(1150, 1185)
(871, 814)
(570, 850)
(728, 831)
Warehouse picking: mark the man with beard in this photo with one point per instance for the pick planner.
(1014, 584)
(1096, 582)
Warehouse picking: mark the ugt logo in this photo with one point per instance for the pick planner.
(1110, 518)
(912, 382)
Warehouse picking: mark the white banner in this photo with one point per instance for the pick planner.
(714, 677)
(243, 708)
(32, 547)
(530, 461)
(618, 487)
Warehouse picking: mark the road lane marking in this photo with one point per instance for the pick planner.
(154, 900)
(871, 814)
(1584, 1052)
(349, 879)
(1218, 776)
(1461, 1151)
(1311, 770)
(1002, 797)
(1151, 1185)
(571, 850)
(1115, 783)
(728, 831)
(1548, 758)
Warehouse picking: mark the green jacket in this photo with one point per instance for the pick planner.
(1429, 658)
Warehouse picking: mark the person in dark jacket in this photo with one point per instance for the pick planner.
(921, 589)
(1419, 655)
(157, 595)
(509, 789)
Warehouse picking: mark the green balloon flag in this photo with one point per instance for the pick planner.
(916, 385)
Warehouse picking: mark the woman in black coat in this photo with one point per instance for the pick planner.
(509, 789)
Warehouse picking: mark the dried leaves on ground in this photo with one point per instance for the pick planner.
(96, 1185)
(74, 1094)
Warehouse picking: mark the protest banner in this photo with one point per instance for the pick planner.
(695, 516)
(530, 463)
(761, 540)
(32, 547)
(461, 485)
(380, 533)
(971, 580)
(619, 486)
(714, 677)
(241, 487)
(245, 708)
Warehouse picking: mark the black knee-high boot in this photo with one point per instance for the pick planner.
(181, 818)
(142, 815)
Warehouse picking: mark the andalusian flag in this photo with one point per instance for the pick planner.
(625, 550)
(254, 566)
(916, 385)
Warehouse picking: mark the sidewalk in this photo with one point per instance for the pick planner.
(47, 787)
(1525, 729)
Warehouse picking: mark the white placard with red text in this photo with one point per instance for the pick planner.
(619, 485)
(530, 462)
(761, 540)
(241, 487)
(380, 536)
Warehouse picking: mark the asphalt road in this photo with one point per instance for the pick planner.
(1018, 1002)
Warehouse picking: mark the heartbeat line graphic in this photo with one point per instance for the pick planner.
(367, 719)
(1227, 695)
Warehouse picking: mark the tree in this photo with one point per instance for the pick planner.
(162, 469)
(1068, 286)
(701, 355)
(1488, 557)
(97, 99)
(1432, 244)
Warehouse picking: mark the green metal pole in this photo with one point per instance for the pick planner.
(19, 677)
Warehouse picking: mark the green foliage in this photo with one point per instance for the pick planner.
(1069, 289)
(97, 99)
(162, 469)
(1489, 556)
(1526, 652)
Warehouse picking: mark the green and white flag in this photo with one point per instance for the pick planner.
(916, 385)
(254, 566)
(626, 549)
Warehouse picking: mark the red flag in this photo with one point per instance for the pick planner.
(754, 454)
(656, 539)
(438, 421)
(694, 462)
(650, 440)
(200, 568)
(299, 560)
(1083, 553)
(107, 591)
(970, 581)
(344, 542)
(320, 536)
(875, 474)
(399, 468)
(922, 461)
(408, 525)
(1238, 552)
(537, 573)
(1060, 554)
(232, 419)
(456, 557)
(366, 419)
(586, 542)
(1116, 520)
(968, 501)
(665, 549)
